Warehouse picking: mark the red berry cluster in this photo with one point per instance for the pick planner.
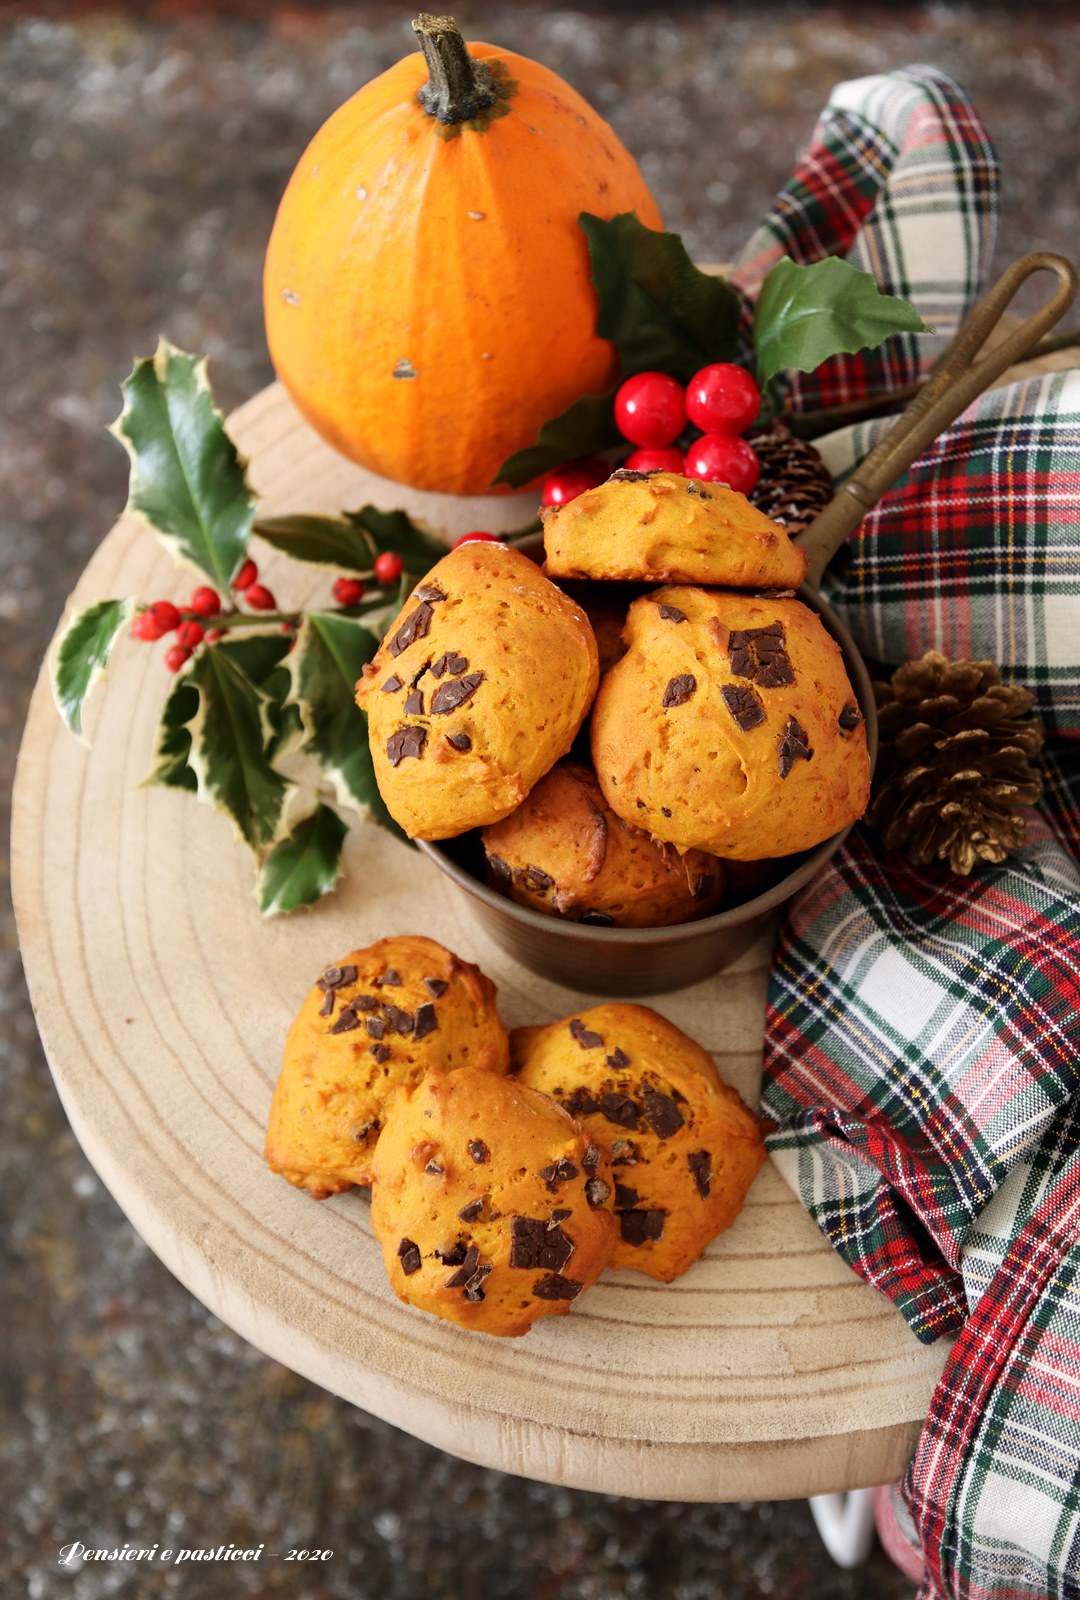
(189, 624)
(652, 410)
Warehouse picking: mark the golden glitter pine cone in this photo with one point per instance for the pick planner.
(953, 762)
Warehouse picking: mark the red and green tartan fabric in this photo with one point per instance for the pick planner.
(922, 1054)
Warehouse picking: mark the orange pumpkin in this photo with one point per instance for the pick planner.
(427, 290)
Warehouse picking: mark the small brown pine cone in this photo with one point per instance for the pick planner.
(795, 483)
(953, 762)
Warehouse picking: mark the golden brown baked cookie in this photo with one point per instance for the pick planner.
(658, 527)
(376, 1020)
(493, 1209)
(730, 726)
(478, 688)
(566, 853)
(684, 1148)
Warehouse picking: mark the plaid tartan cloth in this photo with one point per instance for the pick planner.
(922, 1053)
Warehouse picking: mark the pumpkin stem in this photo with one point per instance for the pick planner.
(459, 88)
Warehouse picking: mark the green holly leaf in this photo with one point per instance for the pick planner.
(231, 734)
(80, 656)
(187, 481)
(662, 313)
(170, 765)
(305, 865)
(331, 650)
(351, 542)
(582, 429)
(806, 315)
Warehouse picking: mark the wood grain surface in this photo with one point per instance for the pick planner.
(163, 999)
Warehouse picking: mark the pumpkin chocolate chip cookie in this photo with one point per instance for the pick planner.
(480, 686)
(730, 726)
(493, 1209)
(566, 853)
(684, 1148)
(374, 1021)
(659, 527)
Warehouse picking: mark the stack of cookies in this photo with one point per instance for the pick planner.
(506, 1172)
(722, 730)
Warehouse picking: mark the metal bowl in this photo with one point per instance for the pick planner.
(635, 961)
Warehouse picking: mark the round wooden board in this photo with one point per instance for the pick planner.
(163, 999)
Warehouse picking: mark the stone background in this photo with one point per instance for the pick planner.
(142, 153)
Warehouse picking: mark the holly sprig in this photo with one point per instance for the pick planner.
(663, 314)
(255, 684)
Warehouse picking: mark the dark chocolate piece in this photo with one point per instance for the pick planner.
(376, 1027)
(404, 743)
(597, 1191)
(500, 868)
(794, 746)
(672, 614)
(347, 1021)
(850, 717)
(666, 810)
(556, 1287)
(392, 684)
(454, 1256)
(334, 977)
(534, 1244)
(639, 1226)
(558, 1172)
(679, 690)
(430, 592)
(537, 878)
(363, 1002)
(449, 696)
(620, 1109)
(458, 1279)
(704, 884)
(409, 1256)
(402, 1022)
(580, 1103)
(700, 1164)
(436, 987)
(591, 1159)
(450, 662)
(623, 1153)
(434, 1168)
(426, 1020)
(414, 627)
(391, 979)
(460, 741)
(625, 1197)
(560, 1214)
(381, 1052)
(759, 654)
(470, 1212)
(327, 1007)
(586, 1038)
(413, 704)
(618, 1058)
(662, 1114)
(474, 1289)
(479, 1151)
(628, 475)
(598, 919)
(744, 705)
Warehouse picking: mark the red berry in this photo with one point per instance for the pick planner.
(214, 635)
(388, 566)
(722, 398)
(165, 615)
(190, 634)
(246, 576)
(175, 657)
(476, 538)
(670, 460)
(572, 479)
(718, 458)
(259, 598)
(205, 602)
(145, 628)
(348, 591)
(650, 409)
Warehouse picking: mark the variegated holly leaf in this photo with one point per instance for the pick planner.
(169, 765)
(807, 315)
(351, 542)
(80, 656)
(231, 734)
(305, 865)
(331, 650)
(187, 481)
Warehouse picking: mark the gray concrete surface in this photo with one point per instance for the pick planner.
(142, 152)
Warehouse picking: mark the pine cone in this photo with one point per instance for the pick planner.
(795, 483)
(953, 762)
